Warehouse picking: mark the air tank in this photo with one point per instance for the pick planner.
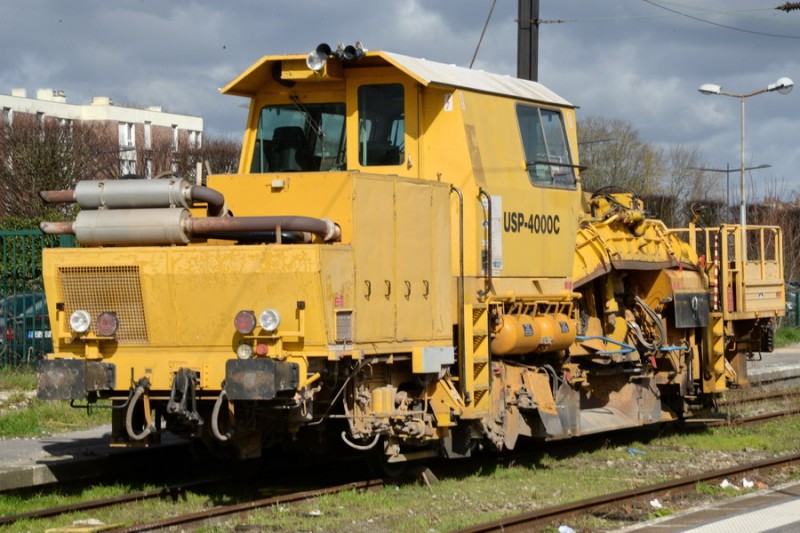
(521, 333)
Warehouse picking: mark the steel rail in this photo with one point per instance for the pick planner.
(524, 521)
(227, 510)
(760, 397)
(171, 492)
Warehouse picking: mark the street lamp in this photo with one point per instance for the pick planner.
(783, 86)
(727, 171)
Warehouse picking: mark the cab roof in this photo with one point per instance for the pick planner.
(425, 72)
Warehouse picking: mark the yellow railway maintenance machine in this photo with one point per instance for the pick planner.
(404, 263)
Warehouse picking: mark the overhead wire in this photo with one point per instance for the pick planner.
(718, 24)
(680, 10)
(485, 25)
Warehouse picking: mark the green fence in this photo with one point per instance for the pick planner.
(24, 325)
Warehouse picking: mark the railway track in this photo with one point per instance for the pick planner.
(752, 396)
(173, 493)
(176, 492)
(602, 504)
(195, 519)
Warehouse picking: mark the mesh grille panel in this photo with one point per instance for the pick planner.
(107, 288)
(344, 326)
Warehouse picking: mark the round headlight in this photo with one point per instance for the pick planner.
(245, 322)
(107, 324)
(315, 61)
(244, 351)
(80, 321)
(270, 319)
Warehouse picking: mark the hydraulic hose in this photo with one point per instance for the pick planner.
(140, 391)
(215, 418)
(359, 447)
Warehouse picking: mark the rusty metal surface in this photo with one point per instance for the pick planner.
(57, 228)
(214, 226)
(259, 379)
(57, 197)
(69, 379)
(166, 492)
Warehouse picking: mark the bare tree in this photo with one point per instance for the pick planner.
(38, 153)
(221, 153)
(698, 194)
(781, 207)
(615, 155)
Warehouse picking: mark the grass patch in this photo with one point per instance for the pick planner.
(23, 415)
(786, 336)
(17, 378)
(37, 418)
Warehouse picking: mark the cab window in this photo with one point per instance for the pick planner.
(300, 137)
(547, 154)
(381, 131)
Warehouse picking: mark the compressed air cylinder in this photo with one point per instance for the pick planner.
(558, 332)
(516, 335)
(132, 227)
(522, 333)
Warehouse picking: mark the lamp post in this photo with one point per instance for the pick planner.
(783, 86)
(727, 171)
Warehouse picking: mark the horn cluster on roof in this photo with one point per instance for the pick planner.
(316, 59)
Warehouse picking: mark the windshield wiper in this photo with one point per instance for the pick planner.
(309, 119)
(529, 164)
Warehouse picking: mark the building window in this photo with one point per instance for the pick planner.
(8, 116)
(174, 137)
(66, 124)
(148, 168)
(195, 139)
(148, 138)
(127, 166)
(40, 123)
(127, 135)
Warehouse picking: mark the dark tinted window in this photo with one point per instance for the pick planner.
(300, 137)
(381, 131)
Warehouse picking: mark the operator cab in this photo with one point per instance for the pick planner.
(390, 114)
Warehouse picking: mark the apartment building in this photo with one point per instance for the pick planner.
(139, 130)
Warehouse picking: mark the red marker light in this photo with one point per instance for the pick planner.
(107, 324)
(245, 322)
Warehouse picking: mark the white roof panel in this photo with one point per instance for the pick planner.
(432, 72)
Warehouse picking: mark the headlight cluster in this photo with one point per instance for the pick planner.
(245, 324)
(106, 324)
(245, 321)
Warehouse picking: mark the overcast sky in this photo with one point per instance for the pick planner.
(637, 60)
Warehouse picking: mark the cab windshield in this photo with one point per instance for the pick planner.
(300, 137)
